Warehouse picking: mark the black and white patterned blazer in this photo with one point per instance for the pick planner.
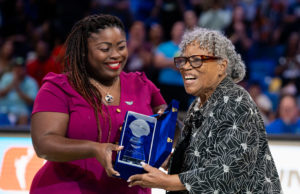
(223, 147)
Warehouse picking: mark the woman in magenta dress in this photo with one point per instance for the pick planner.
(77, 116)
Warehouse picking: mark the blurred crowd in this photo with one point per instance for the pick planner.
(265, 32)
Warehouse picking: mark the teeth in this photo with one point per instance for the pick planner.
(189, 77)
(114, 65)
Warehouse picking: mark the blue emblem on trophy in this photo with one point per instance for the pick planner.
(134, 151)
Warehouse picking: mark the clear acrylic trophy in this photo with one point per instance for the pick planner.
(137, 136)
(134, 152)
(145, 139)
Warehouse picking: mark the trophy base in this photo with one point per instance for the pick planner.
(132, 160)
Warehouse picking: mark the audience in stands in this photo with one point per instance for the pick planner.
(288, 68)
(43, 63)
(139, 50)
(6, 55)
(190, 19)
(266, 33)
(262, 101)
(17, 93)
(169, 78)
(288, 120)
(216, 16)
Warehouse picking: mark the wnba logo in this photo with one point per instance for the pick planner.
(18, 168)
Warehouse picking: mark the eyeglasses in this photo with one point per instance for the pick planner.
(194, 60)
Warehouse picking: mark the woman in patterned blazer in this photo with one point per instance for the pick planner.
(223, 147)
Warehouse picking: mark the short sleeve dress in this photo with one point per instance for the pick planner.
(87, 176)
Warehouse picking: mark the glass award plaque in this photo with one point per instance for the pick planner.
(145, 139)
(137, 138)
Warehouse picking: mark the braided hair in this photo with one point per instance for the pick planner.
(76, 60)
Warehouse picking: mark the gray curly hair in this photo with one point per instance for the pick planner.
(214, 42)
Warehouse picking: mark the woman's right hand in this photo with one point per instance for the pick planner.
(103, 153)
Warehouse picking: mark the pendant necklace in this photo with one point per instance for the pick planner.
(108, 97)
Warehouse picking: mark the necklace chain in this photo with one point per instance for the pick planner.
(108, 97)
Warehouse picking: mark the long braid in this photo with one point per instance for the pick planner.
(76, 60)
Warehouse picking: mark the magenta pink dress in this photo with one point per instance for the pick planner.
(87, 176)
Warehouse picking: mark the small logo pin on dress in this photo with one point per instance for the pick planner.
(129, 102)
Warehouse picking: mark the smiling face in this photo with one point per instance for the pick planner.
(204, 79)
(107, 54)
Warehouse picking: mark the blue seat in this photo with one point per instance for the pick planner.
(260, 70)
(4, 119)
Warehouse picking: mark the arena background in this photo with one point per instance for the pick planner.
(271, 31)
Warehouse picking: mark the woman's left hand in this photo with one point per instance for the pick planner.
(160, 109)
(155, 178)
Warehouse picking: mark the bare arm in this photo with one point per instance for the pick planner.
(160, 61)
(28, 100)
(5, 91)
(48, 131)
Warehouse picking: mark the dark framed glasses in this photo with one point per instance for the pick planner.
(194, 60)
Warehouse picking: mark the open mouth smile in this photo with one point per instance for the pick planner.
(114, 65)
